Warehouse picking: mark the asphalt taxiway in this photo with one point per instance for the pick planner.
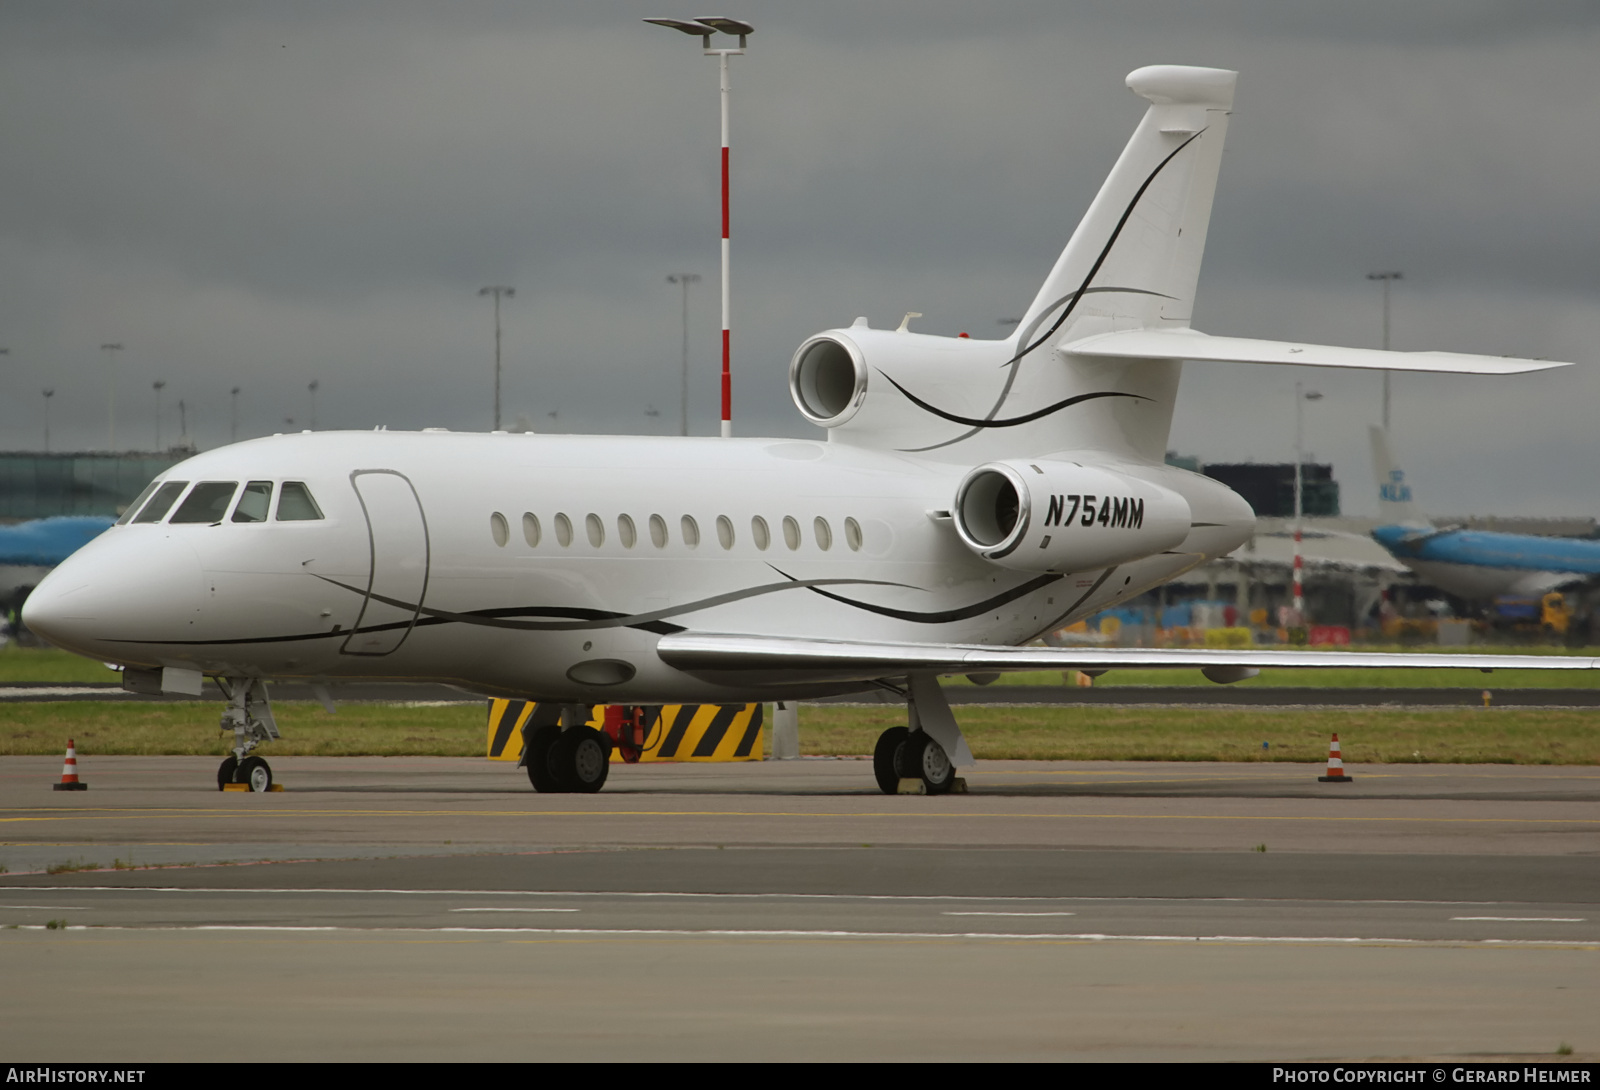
(428, 908)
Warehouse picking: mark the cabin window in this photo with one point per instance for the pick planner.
(824, 533)
(725, 531)
(791, 532)
(162, 501)
(691, 531)
(563, 529)
(254, 502)
(626, 532)
(595, 529)
(530, 529)
(133, 508)
(759, 531)
(658, 531)
(499, 530)
(207, 502)
(295, 503)
(852, 534)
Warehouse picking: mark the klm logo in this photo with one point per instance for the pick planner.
(1395, 489)
(1122, 511)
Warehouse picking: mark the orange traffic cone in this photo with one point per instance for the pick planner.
(69, 771)
(1335, 765)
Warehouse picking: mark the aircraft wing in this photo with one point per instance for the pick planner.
(1190, 344)
(859, 660)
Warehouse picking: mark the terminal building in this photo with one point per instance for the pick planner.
(37, 485)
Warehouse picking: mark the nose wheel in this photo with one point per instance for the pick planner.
(249, 715)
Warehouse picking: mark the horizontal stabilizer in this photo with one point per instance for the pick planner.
(841, 660)
(1189, 344)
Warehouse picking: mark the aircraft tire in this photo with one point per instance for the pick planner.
(928, 760)
(225, 771)
(888, 758)
(583, 756)
(541, 771)
(255, 772)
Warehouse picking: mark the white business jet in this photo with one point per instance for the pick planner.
(970, 496)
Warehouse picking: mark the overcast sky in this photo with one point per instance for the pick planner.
(265, 194)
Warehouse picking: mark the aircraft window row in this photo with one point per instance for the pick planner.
(688, 530)
(209, 502)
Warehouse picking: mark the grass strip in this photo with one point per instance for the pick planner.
(49, 666)
(1397, 735)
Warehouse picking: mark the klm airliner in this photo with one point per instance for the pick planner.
(1477, 565)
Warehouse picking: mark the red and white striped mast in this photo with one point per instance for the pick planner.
(703, 28)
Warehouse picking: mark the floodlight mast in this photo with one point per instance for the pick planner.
(1301, 396)
(703, 28)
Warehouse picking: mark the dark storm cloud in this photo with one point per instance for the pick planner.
(262, 194)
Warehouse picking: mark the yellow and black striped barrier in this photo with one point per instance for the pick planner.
(673, 732)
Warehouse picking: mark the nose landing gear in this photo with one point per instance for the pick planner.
(249, 715)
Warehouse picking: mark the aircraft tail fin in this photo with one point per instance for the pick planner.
(1395, 505)
(1133, 263)
(1135, 257)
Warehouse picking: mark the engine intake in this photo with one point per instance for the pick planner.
(828, 380)
(1048, 516)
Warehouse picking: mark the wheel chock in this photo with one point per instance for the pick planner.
(246, 787)
(913, 785)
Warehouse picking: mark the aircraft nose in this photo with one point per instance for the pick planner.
(117, 591)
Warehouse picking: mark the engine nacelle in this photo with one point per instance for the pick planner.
(1046, 516)
(862, 384)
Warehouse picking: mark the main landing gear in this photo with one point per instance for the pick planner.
(902, 755)
(566, 754)
(249, 715)
(922, 751)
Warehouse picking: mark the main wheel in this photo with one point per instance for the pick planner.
(540, 772)
(255, 772)
(927, 758)
(225, 771)
(582, 755)
(886, 759)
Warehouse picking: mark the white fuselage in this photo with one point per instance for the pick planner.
(425, 564)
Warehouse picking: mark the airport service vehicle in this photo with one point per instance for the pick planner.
(1477, 565)
(971, 495)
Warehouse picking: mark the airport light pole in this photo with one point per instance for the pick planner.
(234, 435)
(48, 392)
(311, 388)
(685, 279)
(704, 29)
(1301, 396)
(111, 351)
(1386, 278)
(157, 385)
(499, 292)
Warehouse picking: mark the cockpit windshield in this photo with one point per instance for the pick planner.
(295, 503)
(158, 506)
(208, 502)
(255, 502)
(133, 508)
